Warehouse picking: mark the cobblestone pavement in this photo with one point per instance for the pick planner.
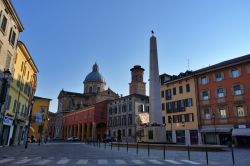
(83, 154)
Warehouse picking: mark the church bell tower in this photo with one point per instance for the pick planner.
(137, 86)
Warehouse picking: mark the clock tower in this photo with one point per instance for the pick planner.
(137, 86)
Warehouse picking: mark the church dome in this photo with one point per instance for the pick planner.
(95, 75)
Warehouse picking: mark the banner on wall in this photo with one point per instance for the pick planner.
(144, 118)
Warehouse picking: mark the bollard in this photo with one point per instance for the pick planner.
(127, 146)
(111, 146)
(232, 150)
(148, 150)
(188, 152)
(164, 152)
(137, 148)
(104, 145)
(206, 154)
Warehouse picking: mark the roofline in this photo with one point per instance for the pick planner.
(221, 66)
(28, 56)
(172, 81)
(42, 98)
(13, 12)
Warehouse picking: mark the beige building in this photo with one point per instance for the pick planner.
(10, 27)
(179, 108)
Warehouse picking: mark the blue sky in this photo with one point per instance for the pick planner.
(66, 37)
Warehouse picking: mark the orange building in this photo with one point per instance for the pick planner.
(223, 92)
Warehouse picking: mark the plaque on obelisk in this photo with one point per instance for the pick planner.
(156, 130)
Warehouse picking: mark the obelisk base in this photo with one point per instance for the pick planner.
(156, 134)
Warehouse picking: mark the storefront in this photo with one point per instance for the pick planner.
(216, 135)
(7, 129)
(241, 137)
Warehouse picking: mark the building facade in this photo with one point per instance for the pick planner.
(10, 28)
(40, 117)
(223, 92)
(21, 91)
(51, 125)
(88, 123)
(125, 114)
(179, 108)
(94, 92)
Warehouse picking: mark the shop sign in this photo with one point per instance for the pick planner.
(242, 126)
(7, 121)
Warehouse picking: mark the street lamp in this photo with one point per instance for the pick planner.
(30, 117)
(183, 125)
(171, 124)
(213, 117)
(4, 89)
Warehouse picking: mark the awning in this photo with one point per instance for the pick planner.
(217, 130)
(241, 132)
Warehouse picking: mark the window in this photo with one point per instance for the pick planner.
(98, 89)
(235, 73)
(222, 112)
(90, 89)
(205, 95)
(8, 102)
(4, 24)
(169, 119)
(220, 93)
(7, 61)
(237, 90)
(174, 91)
(130, 119)
(14, 106)
(218, 76)
(204, 80)
(130, 107)
(190, 102)
(163, 106)
(140, 108)
(206, 112)
(123, 133)
(12, 37)
(248, 66)
(187, 88)
(168, 94)
(163, 119)
(162, 94)
(240, 111)
(129, 132)
(180, 89)
(124, 108)
(42, 109)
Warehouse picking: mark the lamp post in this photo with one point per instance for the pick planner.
(171, 122)
(183, 125)
(213, 117)
(30, 118)
(4, 90)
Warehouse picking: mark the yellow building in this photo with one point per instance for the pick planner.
(21, 92)
(39, 123)
(179, 108)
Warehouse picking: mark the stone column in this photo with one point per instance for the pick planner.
(78, 132)
(83, 130)
(93, 130)
(88, 131)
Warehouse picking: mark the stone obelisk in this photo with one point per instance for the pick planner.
(156, 130)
